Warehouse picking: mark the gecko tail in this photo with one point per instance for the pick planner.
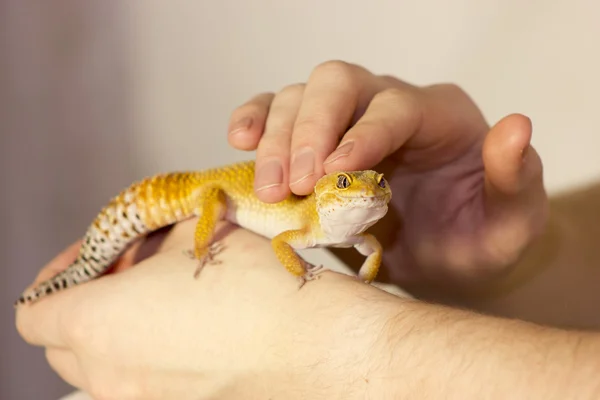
(143, 207)
(114, 229)
(75, 274)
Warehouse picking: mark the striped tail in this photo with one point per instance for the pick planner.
(142, 208)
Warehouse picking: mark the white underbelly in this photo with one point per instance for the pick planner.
(267, 224)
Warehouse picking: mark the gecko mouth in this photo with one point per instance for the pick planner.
(377, 197)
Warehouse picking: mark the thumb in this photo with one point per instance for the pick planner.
(515, 198)
(511, 164)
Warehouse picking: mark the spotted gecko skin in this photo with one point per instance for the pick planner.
(336, 214)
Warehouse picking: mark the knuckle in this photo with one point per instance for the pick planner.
(453, 88)
(310, 126)
(336, 68)
(390, 79)
(81, 330)
(395, 95)
(274, 144)
(75, 328)
(395, 82)
(286, 99)
(449, 89)
(293, 90)
(401, 99)
(257, 105)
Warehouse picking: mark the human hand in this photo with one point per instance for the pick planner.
(155, 332)
(470, 198)
(244, 330)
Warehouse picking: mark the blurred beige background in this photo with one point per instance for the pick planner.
(96, 94)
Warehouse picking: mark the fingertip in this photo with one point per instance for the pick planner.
(245, 133)
(512, 133)
(306, 168)
(343, 158)
(270, 180)
(272, 194)
(246, 140)
(305, 186)
(505, 152)
(360, 150)
(247, 122)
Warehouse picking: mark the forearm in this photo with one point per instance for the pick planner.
(447, 353)
(351, 340)
(451, 353)
(244, 330)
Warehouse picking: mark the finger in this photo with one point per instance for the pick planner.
(330, 101)
(67, 256)
(66, 365)
(506, 153)
(39, 324)
(392, 117)
(248, 121)
(516, 200)
(273, 153)
(42, 322)
(59, 263)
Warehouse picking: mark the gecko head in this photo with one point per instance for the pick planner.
(355, 200)
(366, 186)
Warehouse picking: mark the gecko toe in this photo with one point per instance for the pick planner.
(189, 253)
(313, 272)
(209, 258)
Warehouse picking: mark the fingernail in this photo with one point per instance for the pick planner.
(342, 151)
(524, 153)
(241, 125)
(268, 175)
(303, 165)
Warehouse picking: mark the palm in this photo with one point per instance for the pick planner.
(437, 207)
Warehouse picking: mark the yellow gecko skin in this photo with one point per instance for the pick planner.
(337, 214)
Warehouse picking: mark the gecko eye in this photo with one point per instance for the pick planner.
(342, 182)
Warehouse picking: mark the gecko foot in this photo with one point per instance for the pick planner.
(208, 259)
(362, 279)
(313, 272)
(214, 248)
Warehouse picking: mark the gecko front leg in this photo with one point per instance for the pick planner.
(284, 246)
(369, 246)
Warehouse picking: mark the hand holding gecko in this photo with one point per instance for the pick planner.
(471, 198)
